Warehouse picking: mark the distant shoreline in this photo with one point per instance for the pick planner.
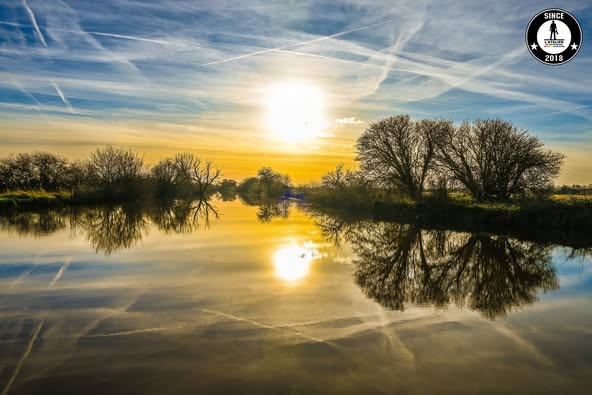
(559, 219)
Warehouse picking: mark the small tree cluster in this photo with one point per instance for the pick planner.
(342, 178)
(267, 183)
(38, 170)
(112, 170)
(185, 172)
(492, 159)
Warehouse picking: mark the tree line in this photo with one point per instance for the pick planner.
(109, 172)
(491, 159)
(122, 174)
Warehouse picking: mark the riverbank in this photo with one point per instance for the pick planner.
(558, 219)
(34, 199)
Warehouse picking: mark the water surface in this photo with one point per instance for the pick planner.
(229, 298)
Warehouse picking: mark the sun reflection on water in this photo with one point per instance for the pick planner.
(292, 262)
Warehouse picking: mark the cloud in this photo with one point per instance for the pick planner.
(348, 121)
(298, 44)
(34, 22)
(63, 97)
(207, 64)
(126, 37)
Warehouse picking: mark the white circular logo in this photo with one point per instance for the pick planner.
(554, 36)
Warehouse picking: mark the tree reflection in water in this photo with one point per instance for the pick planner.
(397, 264)
(183, 216)
(113, 228)
(34, 224)
(273, 209)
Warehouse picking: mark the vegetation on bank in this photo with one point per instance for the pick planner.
(481, 173)
(33, 199)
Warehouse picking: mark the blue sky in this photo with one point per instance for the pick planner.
(168, 75)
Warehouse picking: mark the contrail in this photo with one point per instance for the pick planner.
(34, 21)
(23, 358)
(44, 108)
(23, 276)
(295, 44)
(122, 36)
(60, 273)
(64, 98)
(135, 331)
(29, 94)
(11, 23)
(520, 341)
(150, 40)
(266, 326)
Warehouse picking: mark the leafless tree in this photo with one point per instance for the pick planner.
(165, 171)
(37, 170)
(204, 174)
(493, 159)
(113, 166)
(186, 169)
(398, 153)
(342, 178)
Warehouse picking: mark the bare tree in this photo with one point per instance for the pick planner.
(204, 174)
(50, 170)
(493, 159)
(112, 167)
(165, 171)
(39, 170)
(342, 178)
(186, 170)
(398, 153)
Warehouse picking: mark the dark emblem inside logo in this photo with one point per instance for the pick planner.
(553, 36)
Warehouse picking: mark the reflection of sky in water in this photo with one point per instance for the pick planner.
(250, 307)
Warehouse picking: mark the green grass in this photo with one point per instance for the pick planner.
(15, 199)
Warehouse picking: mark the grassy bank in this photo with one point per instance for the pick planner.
(32, 199)
(561, 219)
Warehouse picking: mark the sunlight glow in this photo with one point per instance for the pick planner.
(295, 111)
(292, 262)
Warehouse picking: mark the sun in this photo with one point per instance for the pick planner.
(295, 111)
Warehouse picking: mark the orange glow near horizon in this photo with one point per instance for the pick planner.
(240, 153)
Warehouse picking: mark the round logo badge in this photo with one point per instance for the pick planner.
(553, 36)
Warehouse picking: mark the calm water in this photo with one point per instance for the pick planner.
(239, 299)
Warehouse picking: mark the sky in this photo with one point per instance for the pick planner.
(287, 84)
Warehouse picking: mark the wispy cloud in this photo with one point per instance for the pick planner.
(134, 38)
(158, 62)
(298, 44)
(60, 273)
(23, 358)
(348, 121)
(34, 22)
(63, 97)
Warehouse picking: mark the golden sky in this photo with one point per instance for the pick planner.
(287, 85)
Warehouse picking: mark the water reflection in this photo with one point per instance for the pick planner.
(252, 307)
(113, 228)
(397, 264)
(34, 224)
(183, 216)
(268, 208)
(292, 262)
(273, 209)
